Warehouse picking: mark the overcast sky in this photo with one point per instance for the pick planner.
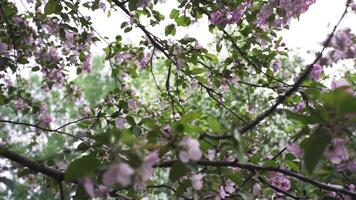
(304, 34)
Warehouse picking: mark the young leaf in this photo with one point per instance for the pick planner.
(314, 147)
(82, 167)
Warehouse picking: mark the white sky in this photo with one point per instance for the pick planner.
(304, 34)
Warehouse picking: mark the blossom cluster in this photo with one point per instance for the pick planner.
(290, 8)
(341, 46)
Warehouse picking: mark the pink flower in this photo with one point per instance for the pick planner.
(256, 190)
(221, 194)
(3, 48)
(87, 64)
(348, 165)
(120, 123)
(123, 57)
(216, 17)
(45, 118)
(342, 83)
(224, 88)
(280, 181)
(88, 186)
(146, 169)
(132, 104)
(101, 191)
(211, 154)
(295, 150)
(336, 152)
(143, 3)
(276, 65)
(61, 166)
(20, 104)
(230, 187)
(190, 149)
(120, 173)
(140, 186)
(197, 181)
(316, 72)
(300, 106)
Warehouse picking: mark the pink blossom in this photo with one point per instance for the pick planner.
(348, 165)
(262, 17)
(276, 65)
(190, 149)
(146, 169)
(123, 57)
(45, 118)
(132, 104)
(151, 159)
(216, 17)
(353, 6)
(87, 64)
(295, 150)
(221, 194)
(211, 154)
(280, 181)
(300, 106)
(316, 72)
(342, 83)
(224, 88)
(20, 104)
(143, 3)
(3, 48)
(120, 123)
(120, 173)
(142, 62)
(180, 63)
(102, 191)
(339, 83)
(88, 186)
(336, 152)
(61, 166)
(256, 190)
(139, 186)
(197, 181)
(230, 187)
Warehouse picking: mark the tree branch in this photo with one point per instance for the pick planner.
(253, 167)
(279, 190)
(32, 165)
(296, 85)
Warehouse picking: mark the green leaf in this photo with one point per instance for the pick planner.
(191, 116)
(80, 193)
(293, 165)
(202, 80)
(212, 57)
(53, 6)
(233, 176)
(215, 125)
(174, 14)
(133, 5)
(170, 30)
(82, 167)
(197, 71)
(178, 170)
(183, 21)
(314, 147)
(340, 100)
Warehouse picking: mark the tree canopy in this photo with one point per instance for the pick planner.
(167, 117)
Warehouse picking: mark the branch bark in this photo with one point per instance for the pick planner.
(297, 84)
(32, 165)
(253, 167)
